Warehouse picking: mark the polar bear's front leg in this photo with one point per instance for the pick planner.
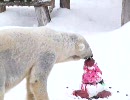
(2, 83)
(39, 75)
(2, 91)
(30, 95)
(39, 89)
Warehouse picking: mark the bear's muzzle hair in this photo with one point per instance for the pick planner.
(88, 57)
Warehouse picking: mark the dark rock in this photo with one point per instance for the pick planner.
(118, 92)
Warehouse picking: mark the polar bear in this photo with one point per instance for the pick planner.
(31, 53)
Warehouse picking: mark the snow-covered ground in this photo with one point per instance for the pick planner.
(99, 22)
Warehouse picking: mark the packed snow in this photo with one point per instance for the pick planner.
(99, 22)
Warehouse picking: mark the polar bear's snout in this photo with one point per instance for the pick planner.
(89, 53)
(88, 57)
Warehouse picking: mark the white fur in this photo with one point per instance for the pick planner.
(32, 52)
(81, 47)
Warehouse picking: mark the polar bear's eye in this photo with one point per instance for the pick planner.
(81, 47)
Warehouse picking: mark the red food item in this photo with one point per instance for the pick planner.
(81, 93)
(92, 75)
(104, 94)
(89, 62)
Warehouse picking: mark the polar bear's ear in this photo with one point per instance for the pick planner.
(81, 47)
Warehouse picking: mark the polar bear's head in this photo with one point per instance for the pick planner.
(82, 48)
(79, 48)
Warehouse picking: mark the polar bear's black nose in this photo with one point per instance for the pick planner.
(88, 57)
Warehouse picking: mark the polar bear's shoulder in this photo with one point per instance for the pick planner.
(5, 42)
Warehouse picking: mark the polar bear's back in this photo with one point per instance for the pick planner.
(10, 38)
(29, 38)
